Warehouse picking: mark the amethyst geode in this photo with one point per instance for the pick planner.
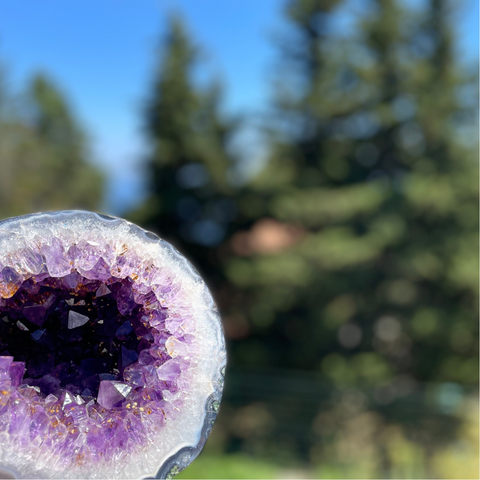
(111, 350)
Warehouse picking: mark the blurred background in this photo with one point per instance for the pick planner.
(317, 160)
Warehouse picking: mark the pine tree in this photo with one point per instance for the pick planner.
(360, 260)
(44, 156)
(190, 200)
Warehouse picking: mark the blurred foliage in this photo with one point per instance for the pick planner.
(43, 154)
(357, 450)
(347, 268)
(190, 199)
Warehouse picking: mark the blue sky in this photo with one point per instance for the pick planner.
(102, 54)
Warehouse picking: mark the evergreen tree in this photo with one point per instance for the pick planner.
(190, 200)
(361, 228)
(44, 156)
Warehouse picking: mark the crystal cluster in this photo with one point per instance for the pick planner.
(110, 350)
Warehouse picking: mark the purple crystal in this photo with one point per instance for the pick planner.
(100, 271)
(125, 329)
(5, 363)
(133, 374)
(33, 262)
(35, 314)
(168, 371)
(10, 280)
(144, 358)
(9, 275)
(110, 393)
(76, 319)
(173, 322)
(125, 300)
(49, 384)
(58, 264)
(128, 356)
(102, 290)
(18, 417)
(17, 370)
(37, 334)
(176, 348)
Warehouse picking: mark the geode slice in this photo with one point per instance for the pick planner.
(111, 350)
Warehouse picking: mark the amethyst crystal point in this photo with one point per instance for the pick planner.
(111, 350)
(110, 393)
(76, 320)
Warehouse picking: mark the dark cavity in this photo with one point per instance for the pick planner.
(72, 332)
